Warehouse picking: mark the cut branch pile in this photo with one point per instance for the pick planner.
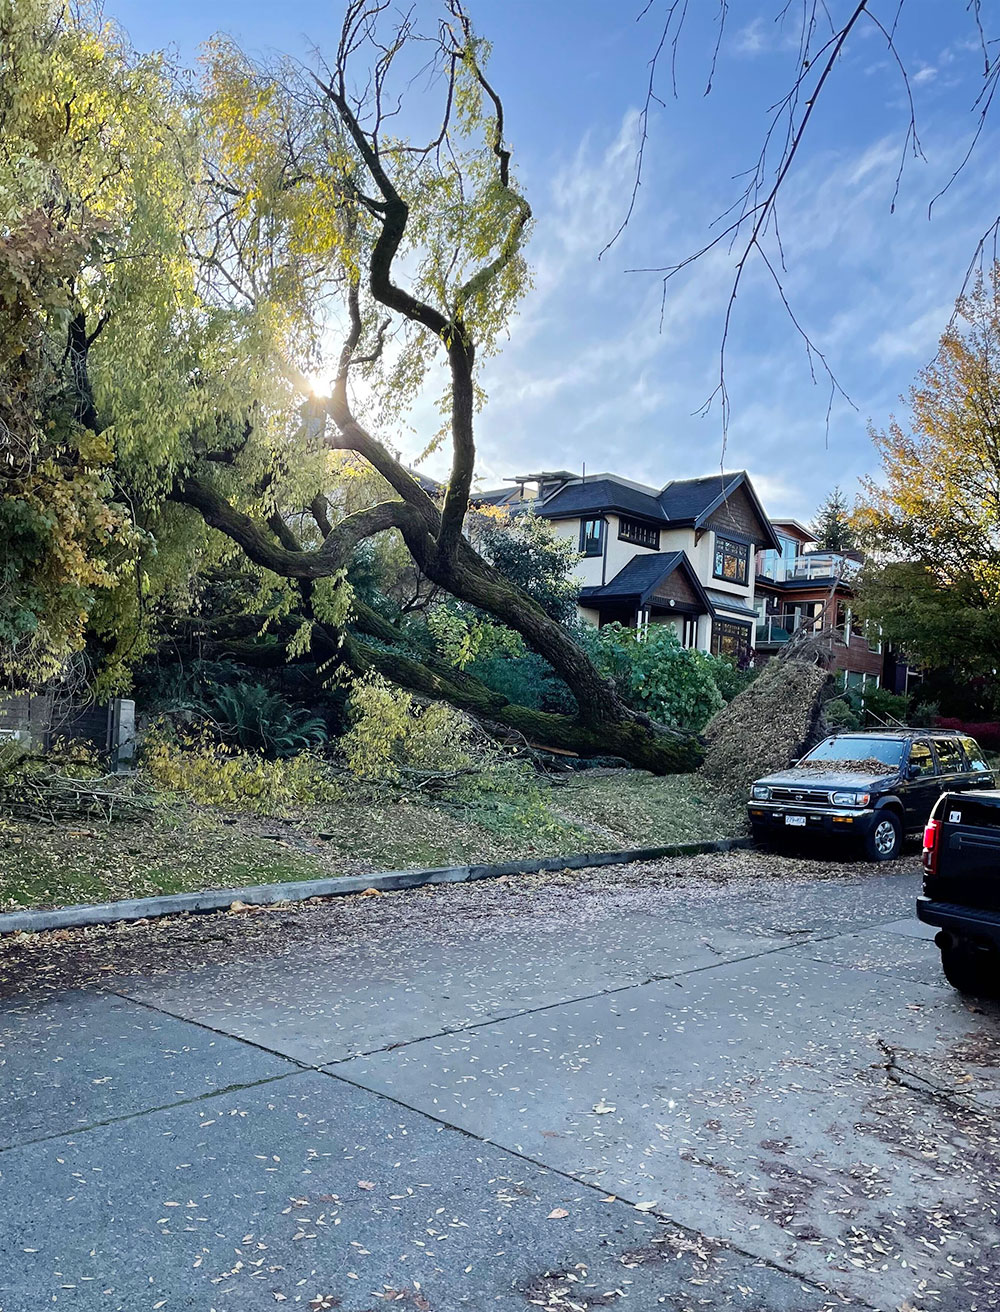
(41, 795)
(767, 727)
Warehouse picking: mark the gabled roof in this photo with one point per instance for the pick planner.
(694, 500)
(496, 496)
(642, 574)
(683, 503)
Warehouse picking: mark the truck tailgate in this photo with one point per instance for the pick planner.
(968, 866)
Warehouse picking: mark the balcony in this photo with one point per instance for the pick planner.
(806, 567)
(780, 628)
(773, 631)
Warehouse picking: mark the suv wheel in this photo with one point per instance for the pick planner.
(884, 839)
(971, 970)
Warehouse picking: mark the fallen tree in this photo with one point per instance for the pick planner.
(238, 223)
(768, 726)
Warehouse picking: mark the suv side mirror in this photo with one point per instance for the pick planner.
(913, 771)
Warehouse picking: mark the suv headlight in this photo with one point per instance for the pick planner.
(850, 799)
(759, 793)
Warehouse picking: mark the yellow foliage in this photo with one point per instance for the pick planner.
(212, 774)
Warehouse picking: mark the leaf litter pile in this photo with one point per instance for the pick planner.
(767, 726)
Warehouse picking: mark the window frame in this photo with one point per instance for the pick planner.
(598, 540)
(634, 533)
(741, 553)
(957, 744)
(923, 742)
(744, 626)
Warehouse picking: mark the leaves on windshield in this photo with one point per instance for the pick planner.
(869, 765)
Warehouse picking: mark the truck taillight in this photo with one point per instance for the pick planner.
(931, 835)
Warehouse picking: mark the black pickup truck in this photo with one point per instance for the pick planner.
(961, 894)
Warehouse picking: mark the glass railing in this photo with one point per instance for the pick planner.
(810, 565)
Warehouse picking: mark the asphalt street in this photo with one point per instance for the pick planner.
(722, 1083)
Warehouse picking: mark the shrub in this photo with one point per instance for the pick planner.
(655, 674)
(437, 752)
(839, 714)
(218, 774)
(251, 717)
(390, 732)
(881, 705)
(985, 732)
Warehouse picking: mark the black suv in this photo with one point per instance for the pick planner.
(876, 785)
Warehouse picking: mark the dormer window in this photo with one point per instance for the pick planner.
(592, 537)
(732, 560)
(638, 533)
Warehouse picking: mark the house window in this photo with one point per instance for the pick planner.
(730, 638)
(592, 537)
(732, 560)
(638, 533)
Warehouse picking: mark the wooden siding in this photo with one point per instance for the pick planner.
(677, 587)
(737, 513)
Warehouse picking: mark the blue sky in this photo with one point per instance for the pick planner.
(590, 376)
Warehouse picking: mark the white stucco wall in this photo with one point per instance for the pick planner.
(592, 571)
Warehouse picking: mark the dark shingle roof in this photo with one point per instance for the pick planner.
(601, 494)
(642, 574)
(690, 498)
(639, 575)
(496, 496)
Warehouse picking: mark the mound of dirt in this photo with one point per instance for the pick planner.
(768, 726)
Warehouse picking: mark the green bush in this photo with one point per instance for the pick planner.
(251, 717)
(397, 743)
(839, 714)
(673, 684)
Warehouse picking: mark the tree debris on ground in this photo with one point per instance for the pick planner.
(766, 727)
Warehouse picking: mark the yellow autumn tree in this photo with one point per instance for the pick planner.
(932, 521)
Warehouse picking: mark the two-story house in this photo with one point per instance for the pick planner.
(800, 586)
(681, 555)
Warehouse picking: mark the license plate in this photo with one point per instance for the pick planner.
(798, 820)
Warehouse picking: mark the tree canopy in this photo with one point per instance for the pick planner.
(832, 524)
(178, 258)
(933, 520)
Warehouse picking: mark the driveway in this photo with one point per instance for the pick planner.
(723, 1082)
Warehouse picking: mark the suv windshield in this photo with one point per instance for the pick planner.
(857, 749)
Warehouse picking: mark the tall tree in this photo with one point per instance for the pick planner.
(242, 224)
(832, 524)
(932, 522)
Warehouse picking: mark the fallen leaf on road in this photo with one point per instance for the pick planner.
(557, 1214)
(365, 1184)
(602, 1108)
(644, 1207)
(372, 892)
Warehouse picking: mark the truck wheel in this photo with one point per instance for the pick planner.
(971, 971)
(884, 839)
(763, 837)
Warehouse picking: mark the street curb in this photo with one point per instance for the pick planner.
(220, 899)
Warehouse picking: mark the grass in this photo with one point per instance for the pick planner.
(44, 866)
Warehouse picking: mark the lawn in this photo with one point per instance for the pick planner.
(199, 847)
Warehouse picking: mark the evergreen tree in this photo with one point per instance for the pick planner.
(832, 525)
